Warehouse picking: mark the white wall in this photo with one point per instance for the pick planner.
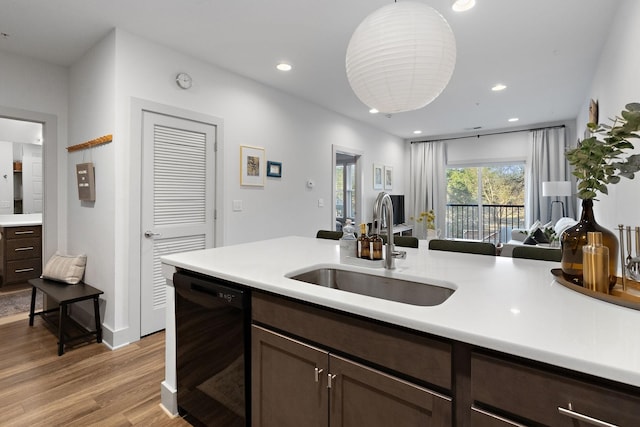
(123, 69)
(91, 224)
(37, 91)
(616, 84)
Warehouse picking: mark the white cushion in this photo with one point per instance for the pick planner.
(563, 224)
(65, 268)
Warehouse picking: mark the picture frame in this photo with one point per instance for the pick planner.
(274, 169)
(388, 178)
(252, 166)
(378, 176)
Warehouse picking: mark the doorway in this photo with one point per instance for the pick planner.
(347, 186)
(53, 227)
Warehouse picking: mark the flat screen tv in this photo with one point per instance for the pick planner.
(398, 208)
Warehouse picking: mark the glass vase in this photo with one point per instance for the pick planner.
(574, 238)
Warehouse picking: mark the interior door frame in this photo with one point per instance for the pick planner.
(358, 154)
(54, 198)
(138, 107)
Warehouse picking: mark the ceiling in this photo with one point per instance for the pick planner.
(545, 51)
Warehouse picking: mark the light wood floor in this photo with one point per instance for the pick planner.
(87, 386)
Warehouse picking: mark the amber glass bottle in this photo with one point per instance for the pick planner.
(574, 238)
(376, 247)
(363, 243)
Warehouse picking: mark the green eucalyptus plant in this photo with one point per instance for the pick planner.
(601, 159)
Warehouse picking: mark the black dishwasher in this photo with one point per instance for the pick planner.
(212, 350)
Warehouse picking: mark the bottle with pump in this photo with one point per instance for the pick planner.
(348, 241)
(376, 245)
(595, 263)
(363, 243)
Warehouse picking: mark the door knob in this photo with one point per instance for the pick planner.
(149, 234)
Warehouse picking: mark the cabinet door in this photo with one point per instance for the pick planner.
(288, 382)
(361, 396)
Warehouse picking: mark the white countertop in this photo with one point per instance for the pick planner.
(19, 220)
(500, 303)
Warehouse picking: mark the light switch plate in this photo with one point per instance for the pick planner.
(320, 203)
(237, 205)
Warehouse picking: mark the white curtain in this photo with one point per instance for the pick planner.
(546, 161)
(428, 186)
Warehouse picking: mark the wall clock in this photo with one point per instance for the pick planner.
(184, 80)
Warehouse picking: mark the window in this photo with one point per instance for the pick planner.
(485, 202)
(346, 189)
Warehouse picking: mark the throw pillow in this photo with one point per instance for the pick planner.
(65, 268)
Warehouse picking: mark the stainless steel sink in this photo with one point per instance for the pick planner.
(387, 288)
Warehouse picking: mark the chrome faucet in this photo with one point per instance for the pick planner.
(383, 202)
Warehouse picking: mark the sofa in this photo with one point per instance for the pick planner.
(522, 236)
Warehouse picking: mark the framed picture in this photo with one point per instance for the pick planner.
(388, 178)
(274, 169)
(378, 177)
(252, 166)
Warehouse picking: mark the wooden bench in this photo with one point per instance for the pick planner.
(64, 294)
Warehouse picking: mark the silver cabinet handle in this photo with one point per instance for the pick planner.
(24, 232)
(330, 379)
(496, 417)
(317, 374)
(26, 248)
(148, 234)
(581, 417)
(23, 270)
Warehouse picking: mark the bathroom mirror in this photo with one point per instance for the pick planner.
(21, 185)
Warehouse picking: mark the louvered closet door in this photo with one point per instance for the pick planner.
(177, 202)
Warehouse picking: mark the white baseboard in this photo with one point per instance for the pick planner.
(169, 399)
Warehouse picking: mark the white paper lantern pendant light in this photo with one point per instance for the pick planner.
(401, 57)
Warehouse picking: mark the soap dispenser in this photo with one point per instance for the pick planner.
(348, 241)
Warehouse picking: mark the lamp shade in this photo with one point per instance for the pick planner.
(556, 188)
(401, 57)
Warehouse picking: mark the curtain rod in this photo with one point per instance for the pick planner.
(487, 134)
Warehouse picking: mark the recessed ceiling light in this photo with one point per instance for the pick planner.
(498, 87)
(514, 119)
(417, 132)
(374, 111)
(283, 66)
(462, 5)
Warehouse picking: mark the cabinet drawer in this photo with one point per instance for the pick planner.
(23, 270)
(550, 398)
(412, 354)
(24, 248)
(22, 232)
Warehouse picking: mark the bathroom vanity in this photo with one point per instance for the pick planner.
(20, 248)
(508, 346)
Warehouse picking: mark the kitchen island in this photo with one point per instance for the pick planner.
(513, 307)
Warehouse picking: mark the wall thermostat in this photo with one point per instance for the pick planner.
(310, 183)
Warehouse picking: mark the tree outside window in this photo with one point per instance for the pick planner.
(485, 202)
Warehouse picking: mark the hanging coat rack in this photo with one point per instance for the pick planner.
(94, 142)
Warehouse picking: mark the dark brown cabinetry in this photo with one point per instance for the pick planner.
(510, 392)
(336, 381)
(20, 254)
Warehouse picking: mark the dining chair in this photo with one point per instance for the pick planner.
(535, 252)
(329, 234)
(480, 248)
